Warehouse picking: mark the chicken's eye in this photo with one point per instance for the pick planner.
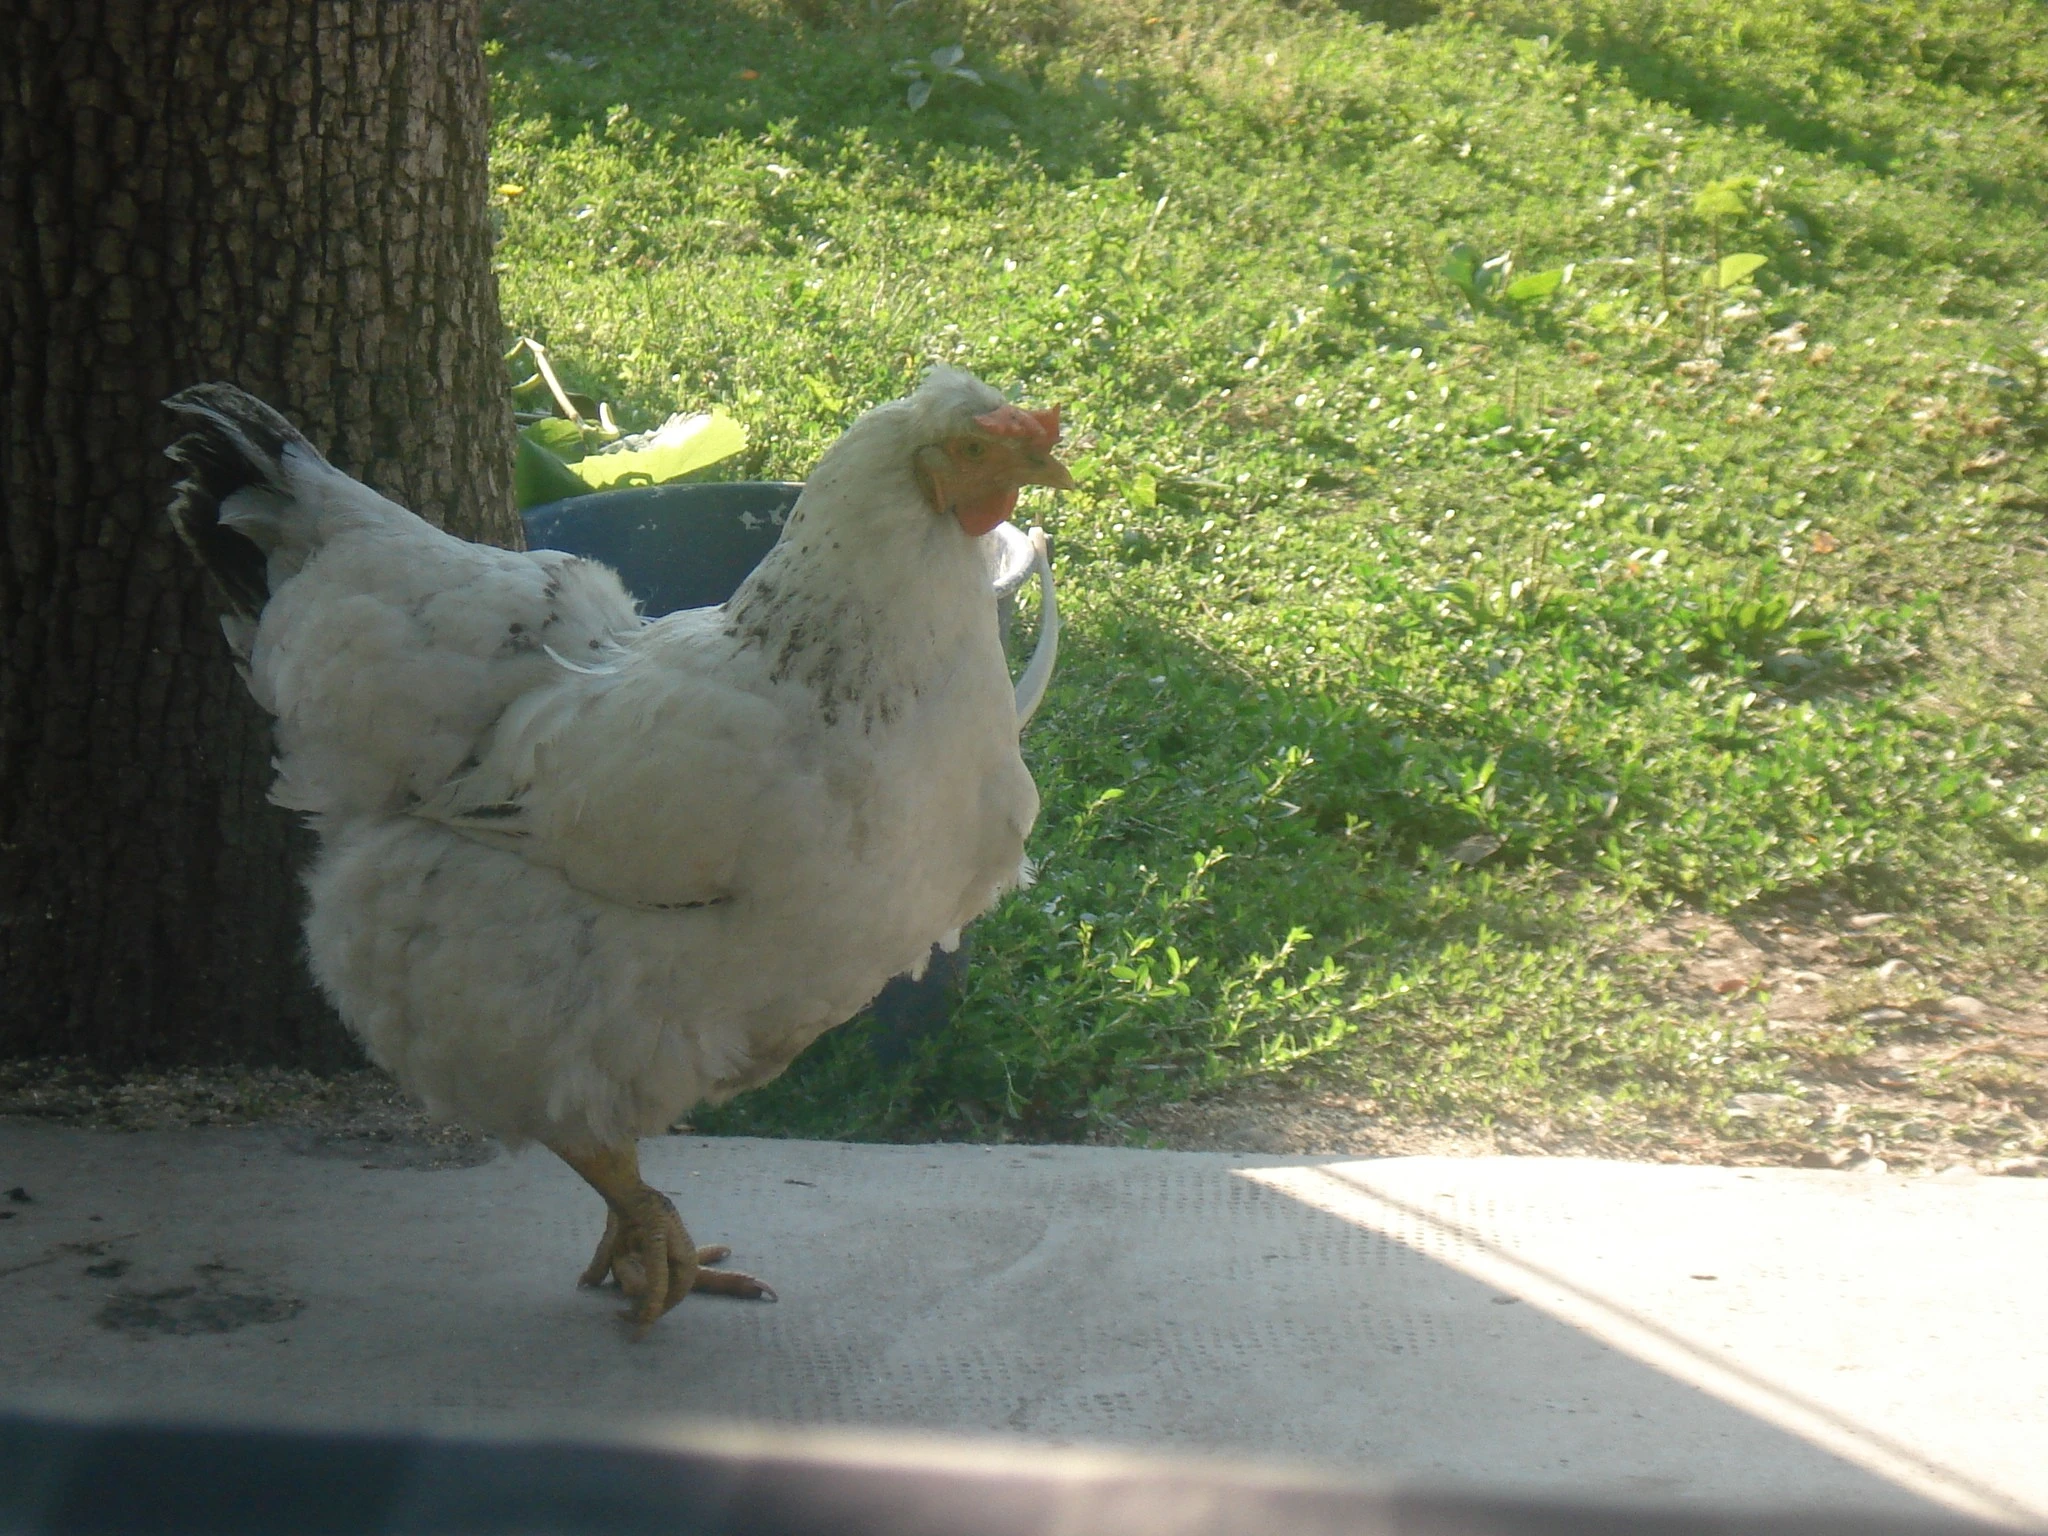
(973, 448)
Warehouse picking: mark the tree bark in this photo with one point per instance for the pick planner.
(290, 195)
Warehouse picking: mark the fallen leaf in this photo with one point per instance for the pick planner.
(1474, 848)
(680, 446)
(1790, 339)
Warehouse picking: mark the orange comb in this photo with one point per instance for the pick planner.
(1041, 429)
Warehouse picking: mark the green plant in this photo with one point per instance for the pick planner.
(1721, 203)
(1726, 630)
(925, 74)
(1480, 280)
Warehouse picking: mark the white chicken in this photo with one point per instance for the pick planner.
(579, 872)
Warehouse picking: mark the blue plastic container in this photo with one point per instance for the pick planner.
(674, 546)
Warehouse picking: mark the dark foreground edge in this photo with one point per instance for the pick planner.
(100, 1476)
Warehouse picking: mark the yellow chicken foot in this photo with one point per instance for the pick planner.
(645, 1247)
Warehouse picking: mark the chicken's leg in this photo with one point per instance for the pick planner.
(644, 1245)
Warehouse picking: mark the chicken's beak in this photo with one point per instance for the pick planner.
(1043, 469)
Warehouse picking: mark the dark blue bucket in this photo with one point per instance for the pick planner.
(675, 546)
(690, 546)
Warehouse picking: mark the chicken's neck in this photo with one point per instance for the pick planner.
(869, 611)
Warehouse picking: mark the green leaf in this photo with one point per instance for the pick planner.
(1461, 266)
(1720, 201)
(562, 438)
(830, 401)
(919, 93)
(1537, 285)
(682, 447)
(1142, 490)
(1735, 269)
(539, 477)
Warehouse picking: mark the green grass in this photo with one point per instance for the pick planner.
(1360, 569)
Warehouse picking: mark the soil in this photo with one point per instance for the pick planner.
(361, 1115)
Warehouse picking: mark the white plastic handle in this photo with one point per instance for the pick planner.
(1038, 671)
(1019, 556)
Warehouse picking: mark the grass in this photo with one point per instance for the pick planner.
(1429, 637)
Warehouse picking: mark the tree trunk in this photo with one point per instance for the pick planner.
(290, 195)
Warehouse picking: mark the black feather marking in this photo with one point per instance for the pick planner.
(503, 810)
(239, 442)
(689, 906)
(519, 641)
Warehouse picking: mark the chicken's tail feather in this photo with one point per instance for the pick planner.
(235, 485)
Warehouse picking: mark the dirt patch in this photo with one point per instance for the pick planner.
(360, 1116)
(1895, 1059)
(208, 1305)
(426, 1145)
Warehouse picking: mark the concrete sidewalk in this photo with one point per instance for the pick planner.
(1530, 1324)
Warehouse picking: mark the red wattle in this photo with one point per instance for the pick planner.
(978, 517)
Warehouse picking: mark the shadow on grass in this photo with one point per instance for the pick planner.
(1153, 753)
(1717, 96)
(816, 75)
(1395, 15)
(1726, 95)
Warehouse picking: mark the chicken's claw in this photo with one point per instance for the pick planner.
(645, 1246)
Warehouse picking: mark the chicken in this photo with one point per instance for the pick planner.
(579, 872)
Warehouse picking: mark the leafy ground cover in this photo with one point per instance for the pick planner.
(1561, 484)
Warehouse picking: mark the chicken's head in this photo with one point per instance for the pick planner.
(982, 457)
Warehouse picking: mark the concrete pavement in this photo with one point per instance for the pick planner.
(1550, 1325)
